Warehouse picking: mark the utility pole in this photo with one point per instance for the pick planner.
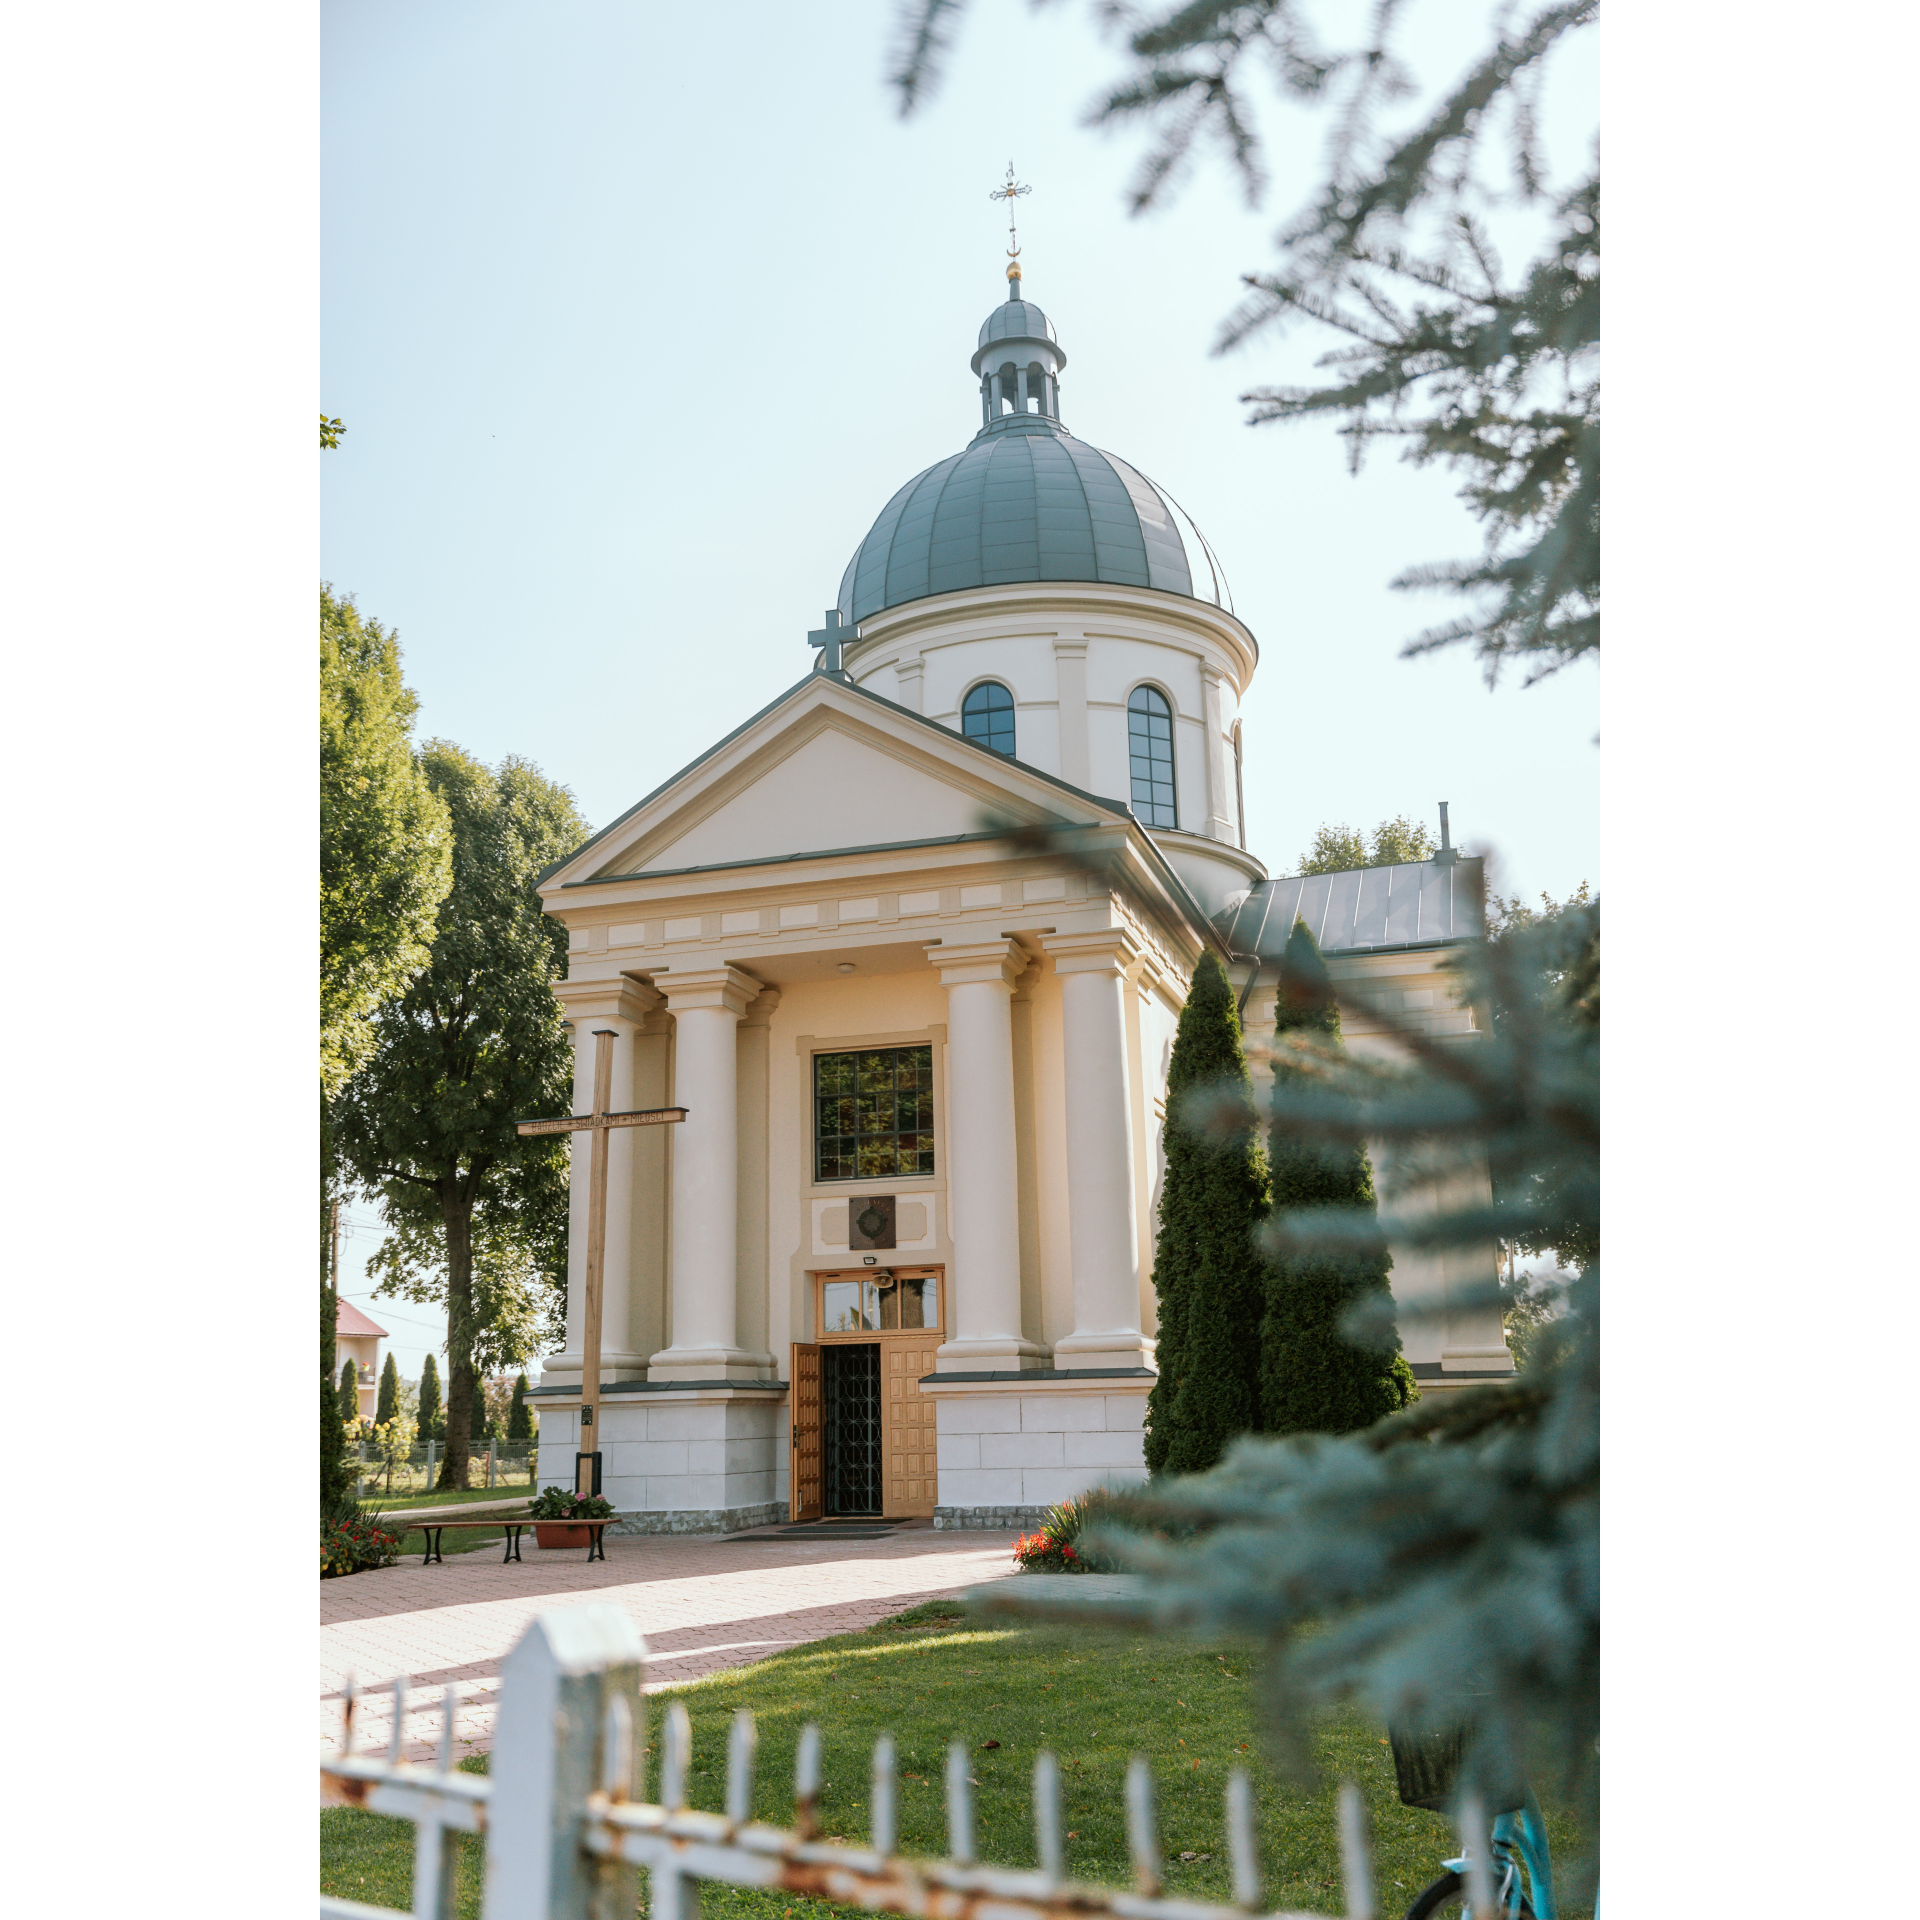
(333, 1258)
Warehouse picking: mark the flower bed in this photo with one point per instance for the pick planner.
(353, 1540)
(1056, 1549)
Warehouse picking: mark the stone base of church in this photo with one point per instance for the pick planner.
(1012, 1445)
(703, 1519)
(708, 1460)
(990, 1519)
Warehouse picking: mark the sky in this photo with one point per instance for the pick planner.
(637, 317)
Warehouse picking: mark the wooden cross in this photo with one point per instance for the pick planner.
(586, 1460)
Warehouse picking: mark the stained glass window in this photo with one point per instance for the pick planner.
(873, 1113)
(1150, 748)
(986, 715)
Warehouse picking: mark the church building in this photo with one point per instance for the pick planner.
(910, 947)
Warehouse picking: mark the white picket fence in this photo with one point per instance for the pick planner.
(566, 1819)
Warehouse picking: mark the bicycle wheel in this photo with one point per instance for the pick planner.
(1446, 1899)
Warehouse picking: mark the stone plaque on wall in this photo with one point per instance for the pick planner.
(870, 1222)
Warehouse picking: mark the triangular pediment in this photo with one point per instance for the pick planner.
(825, 768)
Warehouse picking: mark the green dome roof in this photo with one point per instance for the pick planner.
(1028, 501)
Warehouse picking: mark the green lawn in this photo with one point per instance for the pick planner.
(380, 1502)
(926, 1676)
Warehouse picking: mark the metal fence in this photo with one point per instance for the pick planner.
(567, 1824)
(501, 1463)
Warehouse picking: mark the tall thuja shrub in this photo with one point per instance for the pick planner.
(389, 1402)
(477, 1419)
(432, 1422)
(1314, 1378)
(349, 1393)
(519, 1415)
(1207, 1266)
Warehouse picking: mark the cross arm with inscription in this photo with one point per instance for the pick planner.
(597, 1124)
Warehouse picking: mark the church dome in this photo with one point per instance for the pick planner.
(1026, 500)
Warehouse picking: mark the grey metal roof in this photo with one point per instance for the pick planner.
(1018, 320)
(1025, 500)
(1418, 903)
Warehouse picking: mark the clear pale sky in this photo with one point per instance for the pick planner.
(637, 321)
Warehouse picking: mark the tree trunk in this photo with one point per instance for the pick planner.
(333, 1466)
(458, 1215)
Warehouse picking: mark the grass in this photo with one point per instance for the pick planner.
(927, 1675)
(379, 1502)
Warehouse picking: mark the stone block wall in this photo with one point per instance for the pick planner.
(681, 1462)
(1006, 1457)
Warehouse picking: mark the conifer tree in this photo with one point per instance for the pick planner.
(1313, 1379)
(477, 1420)
(349, 1392)
(519, 1415)
(389, 1402)
(1207, 1265)
(432, 1421)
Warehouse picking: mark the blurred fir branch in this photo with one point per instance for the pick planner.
(1490, 373)
(1441, 1566)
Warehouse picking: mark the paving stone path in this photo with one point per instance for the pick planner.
(703, 1604)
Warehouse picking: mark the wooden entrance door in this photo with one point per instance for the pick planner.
(868, 1306)
(805, 1499)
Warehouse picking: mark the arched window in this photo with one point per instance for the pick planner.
(1150, 748)
(986, 715)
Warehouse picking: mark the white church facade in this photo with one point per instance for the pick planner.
(910, 947)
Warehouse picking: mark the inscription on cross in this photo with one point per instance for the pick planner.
(599, 1123)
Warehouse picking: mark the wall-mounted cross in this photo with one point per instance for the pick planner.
(586, 1459)
(830, 639)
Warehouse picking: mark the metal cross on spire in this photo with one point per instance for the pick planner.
(1010, 192)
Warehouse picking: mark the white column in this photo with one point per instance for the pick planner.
(910, 671)
(706, 1008)
(1093, 971)
(623, 1006)
(1219, 824)
(983, 1181)
(1070, 682)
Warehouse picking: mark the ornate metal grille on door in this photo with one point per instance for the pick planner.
(850, 1384)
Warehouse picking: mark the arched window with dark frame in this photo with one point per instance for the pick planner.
(986, 716)
(1150, 752)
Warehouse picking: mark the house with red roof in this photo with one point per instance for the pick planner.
(357, 1338)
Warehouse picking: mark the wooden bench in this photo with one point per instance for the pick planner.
(433, 1529)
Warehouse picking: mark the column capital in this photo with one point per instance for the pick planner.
(760, 1013)
(1068, 645)
(1109, 950)
(724, 987)
(991, 960)
(616, 999)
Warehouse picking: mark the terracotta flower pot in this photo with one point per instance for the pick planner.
(562, 1533)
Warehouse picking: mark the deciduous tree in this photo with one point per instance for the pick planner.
(1340, 849)
(473, 1045)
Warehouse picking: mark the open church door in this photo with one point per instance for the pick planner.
(806, 1495)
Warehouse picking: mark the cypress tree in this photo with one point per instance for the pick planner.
(477, 1421)
(389, 1402)
(1207, 1266)
(519, 1417)
(349, 1392)
(432, 1420)
(1312, 1378)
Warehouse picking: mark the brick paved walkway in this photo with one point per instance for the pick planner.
(702, 1603)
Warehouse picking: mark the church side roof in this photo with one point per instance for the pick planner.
(351, 1324)
(1418, 903)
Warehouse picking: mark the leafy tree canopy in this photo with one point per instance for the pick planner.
(474, 1044)
(330, 432)
(385, 846)
(1336, 849)
(1489, 370)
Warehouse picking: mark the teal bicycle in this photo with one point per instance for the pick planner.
(1521, 1873)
